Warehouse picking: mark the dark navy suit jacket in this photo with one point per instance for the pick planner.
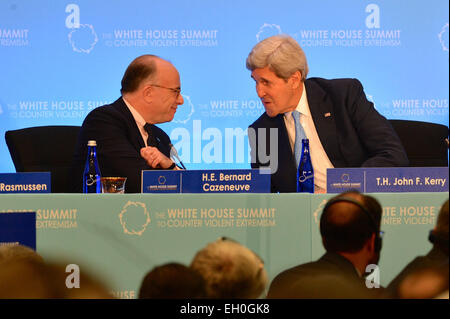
(352, 133)
(118, 145)
(332, 276)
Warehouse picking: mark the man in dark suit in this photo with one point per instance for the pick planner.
(350, 230)
(127, 139)
(343, 127)
(437, 257)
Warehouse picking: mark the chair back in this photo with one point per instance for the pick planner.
(44, 149)
(426, 144)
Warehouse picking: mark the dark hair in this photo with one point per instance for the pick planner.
(439, 236)
(172, 281)
(345, 225)
(141, 68)
(442, 221)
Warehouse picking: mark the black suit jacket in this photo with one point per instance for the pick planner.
(352, 132)
(332, 276)
(118, 145)
(435, 258)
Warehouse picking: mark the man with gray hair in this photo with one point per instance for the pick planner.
(343, 127)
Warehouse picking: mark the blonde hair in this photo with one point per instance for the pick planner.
(231, 270)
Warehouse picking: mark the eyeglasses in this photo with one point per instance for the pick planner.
(176, 91)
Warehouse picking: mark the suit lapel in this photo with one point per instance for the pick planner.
(322, 112)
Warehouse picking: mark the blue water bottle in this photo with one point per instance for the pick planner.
(91, 175)
(305, 172)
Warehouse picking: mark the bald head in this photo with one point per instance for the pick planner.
(151, 85)
(144, 68)
(342, 213)
(348, 221)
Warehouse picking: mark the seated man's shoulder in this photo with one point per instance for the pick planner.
(107, 111)
(265, 121)
(289, 276)
(103, 109)
(335, 83)
(317, 280)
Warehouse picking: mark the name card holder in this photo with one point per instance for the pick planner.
(18, 228)
(206, 181)
(388, 179)
(30, 182)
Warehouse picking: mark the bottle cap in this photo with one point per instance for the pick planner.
(305, 141)
(92, 143)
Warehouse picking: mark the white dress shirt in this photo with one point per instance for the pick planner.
(140, 122)
(319, 158)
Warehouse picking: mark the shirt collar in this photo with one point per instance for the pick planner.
(302, 105)
(137, 117)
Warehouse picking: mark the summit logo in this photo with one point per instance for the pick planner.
(318, 211)
(267, 30)
(82, 37)
(184, 114)
(443, 37)
(134, 218)
(373, 35)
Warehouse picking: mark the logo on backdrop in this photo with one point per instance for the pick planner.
(82, 37)
(132, 37)
(232, 108)
(372, 36)
(371, 99)
(268, 30)
(443, 37)
(14, 38)
(52, 109)
(184, 113)
(319, 210)
(134, 218)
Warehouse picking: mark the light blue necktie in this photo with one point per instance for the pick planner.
(299, 135)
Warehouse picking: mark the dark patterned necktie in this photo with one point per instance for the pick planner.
(151, 140)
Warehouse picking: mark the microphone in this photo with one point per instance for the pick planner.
(174, 153)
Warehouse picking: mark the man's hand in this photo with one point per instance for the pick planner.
(155, 158)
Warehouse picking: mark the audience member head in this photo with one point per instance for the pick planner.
(231, 270)
(172, 281)
(152, 86)
(350, 224)
(25, 279)
(18, 252)
(439, 235)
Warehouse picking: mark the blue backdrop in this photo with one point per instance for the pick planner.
(60, 59)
